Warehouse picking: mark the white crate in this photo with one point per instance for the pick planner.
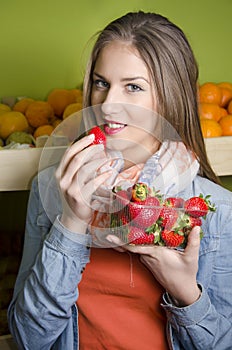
(18, 167)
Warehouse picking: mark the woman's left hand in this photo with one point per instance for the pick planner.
(175, 270)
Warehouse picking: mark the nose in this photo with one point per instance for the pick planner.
(112, 103)
(109, 108)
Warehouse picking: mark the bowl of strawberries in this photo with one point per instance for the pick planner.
(143, 216)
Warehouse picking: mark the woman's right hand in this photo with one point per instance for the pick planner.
(78, 179)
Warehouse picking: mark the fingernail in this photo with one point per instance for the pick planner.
(91, 137)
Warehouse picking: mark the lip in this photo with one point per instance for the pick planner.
(110, 130)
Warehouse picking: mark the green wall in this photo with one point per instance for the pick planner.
(43, 42)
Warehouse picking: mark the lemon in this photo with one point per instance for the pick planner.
(12, 121)
(20, 137)
(4, 108)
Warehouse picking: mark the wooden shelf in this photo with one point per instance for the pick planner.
(18, 167)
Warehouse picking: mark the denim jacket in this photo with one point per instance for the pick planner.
(43, 313)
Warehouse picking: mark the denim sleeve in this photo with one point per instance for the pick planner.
(46, 286)
(207, 324)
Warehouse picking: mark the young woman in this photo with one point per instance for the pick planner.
(128, 297)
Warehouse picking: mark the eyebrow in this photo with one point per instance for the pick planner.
(124, 79)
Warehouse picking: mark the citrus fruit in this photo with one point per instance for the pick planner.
(72, 108)
(2, 112)
(210, 93)
(78, 94)
(43, 130)
(22, 104)
(226, 125)
(210, 128)
(229, 108)
(4, 108)
(20, 137)
(56, 122)
(223, 112)
(39, 113)
(59, 99)
(226, 85)
(226, 96)
(210, 111)
(12, 121)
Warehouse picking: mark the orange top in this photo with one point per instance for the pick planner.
(119, 304)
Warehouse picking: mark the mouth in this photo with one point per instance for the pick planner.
(112, 128)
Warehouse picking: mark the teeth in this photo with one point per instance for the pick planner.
(115, 126)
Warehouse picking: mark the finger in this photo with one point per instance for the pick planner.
(116, 241)
(193, 241)
(73, 162)
(77, 147)
(74, 149)
(94, 168)
(90, 170)
(90, 187)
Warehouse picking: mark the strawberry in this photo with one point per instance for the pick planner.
(100, 137)
(123, 197)
(119, 218)
(139, 192)
(191, 221)
(176, 202)
(145, 213)
(172, 238)
(139, 236)
(168, 217)
(198, 206)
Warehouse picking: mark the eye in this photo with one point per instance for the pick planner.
(101, 84)
(134, 88)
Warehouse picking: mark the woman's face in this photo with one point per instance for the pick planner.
(123, 87)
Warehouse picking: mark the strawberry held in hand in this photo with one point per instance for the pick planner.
(145, 213)
(100, 137)
(172, 239)
(138, 236)
(151, 219)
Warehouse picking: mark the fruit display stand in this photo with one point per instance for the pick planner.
(219, 151)
(18, 167)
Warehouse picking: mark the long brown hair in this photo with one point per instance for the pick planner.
(174, 71)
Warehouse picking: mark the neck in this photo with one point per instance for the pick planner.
(138, 155)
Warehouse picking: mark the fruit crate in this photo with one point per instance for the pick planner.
(18, 167)
(219, 151)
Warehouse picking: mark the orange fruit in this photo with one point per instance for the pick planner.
(12, 121)
(226, 96)
(229, 107)
(210, 111)
(226, 85)
(72, 108)
(39, 113)
(43, 130)
(226, 125)
(223, 112)
(56, 122)
(59, 99)
(210, 128)
(22, 104)
(210, 93)
(78, 93)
